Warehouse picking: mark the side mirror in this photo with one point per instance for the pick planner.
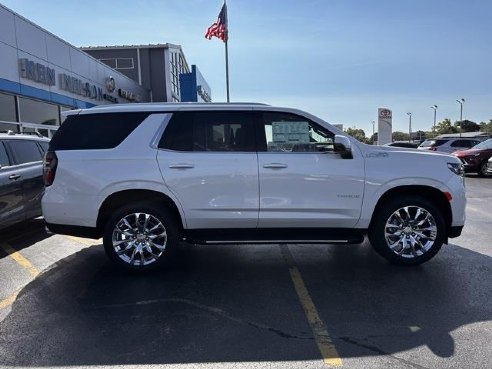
(343, 146)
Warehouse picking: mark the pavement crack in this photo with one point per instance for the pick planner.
(210, 309)
(378, 351)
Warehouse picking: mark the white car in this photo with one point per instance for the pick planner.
(448, 144)
(147, 176)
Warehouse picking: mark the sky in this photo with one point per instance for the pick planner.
(337, 59)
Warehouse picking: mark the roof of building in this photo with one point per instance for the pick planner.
(119, 47)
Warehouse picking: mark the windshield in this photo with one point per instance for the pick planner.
(486, 145)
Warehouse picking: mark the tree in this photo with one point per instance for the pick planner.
(399, 136)
(374, 138)
(446, 127)
(358, 134)
(467, 126)
(486, 127)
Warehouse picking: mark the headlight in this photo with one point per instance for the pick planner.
(456, 168)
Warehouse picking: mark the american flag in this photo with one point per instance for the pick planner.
(219, 28)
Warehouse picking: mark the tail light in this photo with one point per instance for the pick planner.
(49, 167)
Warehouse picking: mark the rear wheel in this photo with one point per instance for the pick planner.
(140, 237)
(407, 231)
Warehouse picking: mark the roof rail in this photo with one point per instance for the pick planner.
(9, 132)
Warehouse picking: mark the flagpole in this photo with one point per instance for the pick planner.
(227, 54)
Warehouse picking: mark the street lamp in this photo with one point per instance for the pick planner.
(409, 127)
(461, 102)
(434, 107)
(373, 132)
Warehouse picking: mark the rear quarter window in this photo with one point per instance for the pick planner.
(95, 131)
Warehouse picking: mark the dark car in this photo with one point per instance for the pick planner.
(408, 145)
(21, 177)
(475, 159)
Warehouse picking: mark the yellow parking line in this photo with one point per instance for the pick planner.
(321, 336)
(21, 260)
(9, 300)
(85, 241)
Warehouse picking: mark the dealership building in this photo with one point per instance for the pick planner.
(41, 75)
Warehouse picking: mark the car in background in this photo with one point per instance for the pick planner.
(406, 144)
(21, 177)
(475, 159)
(448, 144)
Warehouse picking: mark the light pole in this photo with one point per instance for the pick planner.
(434, 107)
(461, 102)
(373, 132)
(409, 127)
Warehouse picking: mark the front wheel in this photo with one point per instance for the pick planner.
(139, 237)
(407, 231)
(482, 170)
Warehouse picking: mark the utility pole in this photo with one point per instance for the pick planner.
(434, 107)
(409, 127)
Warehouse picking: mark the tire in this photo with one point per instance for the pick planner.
(407, 231)
(482, 170)
(139, 237)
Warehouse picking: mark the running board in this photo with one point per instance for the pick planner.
(274, 236)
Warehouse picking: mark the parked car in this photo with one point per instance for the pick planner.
(475, 159)
(449, 145)
(21, 177)
(147, 176)
(406, 144)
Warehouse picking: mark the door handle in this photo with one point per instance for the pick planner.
(181, 166)
(275, 165)
(14, 177)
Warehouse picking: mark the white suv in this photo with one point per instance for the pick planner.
(147, 176)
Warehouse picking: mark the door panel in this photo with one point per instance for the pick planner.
(11, 206)
(303, 182)
(215, 190)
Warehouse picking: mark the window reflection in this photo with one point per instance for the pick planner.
(32, 111)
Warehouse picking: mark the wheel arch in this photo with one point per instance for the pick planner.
(125, 197)
(431, 194)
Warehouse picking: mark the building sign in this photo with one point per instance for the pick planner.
(385, 126)
(128, 95)
(36, 72)
(77, 86)
(110, 84)
(40, 73)
(203, 93)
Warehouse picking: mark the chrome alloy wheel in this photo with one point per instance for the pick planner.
(139, 239)
(410, 231)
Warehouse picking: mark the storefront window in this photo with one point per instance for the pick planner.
(32, 111)
(7, 108)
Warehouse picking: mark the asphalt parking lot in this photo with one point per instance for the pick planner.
(63, 304)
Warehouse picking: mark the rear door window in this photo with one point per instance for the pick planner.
(216, 131)
(4, 159)
(25, 151)
(464, 143)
